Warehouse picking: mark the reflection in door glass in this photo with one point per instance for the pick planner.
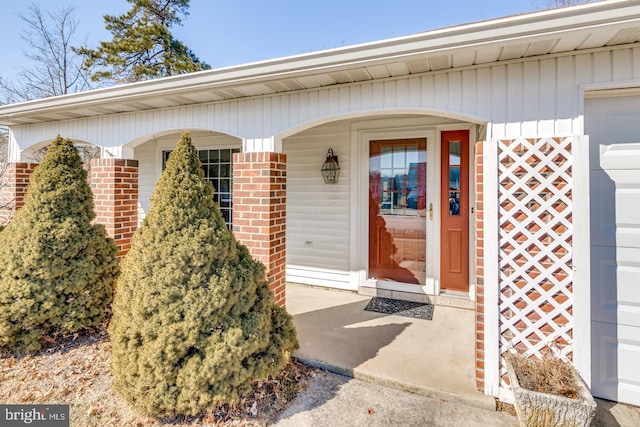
(400, 172)
(397, 210)
(454, 178)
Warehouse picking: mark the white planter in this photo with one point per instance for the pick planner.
(536, 409)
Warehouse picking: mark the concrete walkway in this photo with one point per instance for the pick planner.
(333, 400)
(427, 364)
(433, 358)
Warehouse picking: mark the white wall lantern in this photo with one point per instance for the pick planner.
(330, 169)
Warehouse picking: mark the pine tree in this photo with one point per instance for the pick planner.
(194, 321)
(56, 268)
(142, 47)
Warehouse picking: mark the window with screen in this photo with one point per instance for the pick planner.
(217, 165)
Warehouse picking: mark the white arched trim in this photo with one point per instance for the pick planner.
(28, 154)
(141, 139)
(380, 112)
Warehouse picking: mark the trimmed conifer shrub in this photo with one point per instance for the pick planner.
(56, 268)
(194, 321)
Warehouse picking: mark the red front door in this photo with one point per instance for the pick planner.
(454, 211)
(397, 210)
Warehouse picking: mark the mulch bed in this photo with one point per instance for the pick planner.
(74, 370)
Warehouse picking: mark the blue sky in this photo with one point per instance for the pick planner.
(232, 32)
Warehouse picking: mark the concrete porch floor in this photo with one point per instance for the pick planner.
(429, 357)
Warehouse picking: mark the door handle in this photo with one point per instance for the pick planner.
(430, 210)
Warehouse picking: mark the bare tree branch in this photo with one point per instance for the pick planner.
(55, 68)
(555, 4)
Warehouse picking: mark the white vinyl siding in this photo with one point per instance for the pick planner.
(517, 98)
(318, 213)
(147, 176)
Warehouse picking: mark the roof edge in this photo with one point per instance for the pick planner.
(487, 31)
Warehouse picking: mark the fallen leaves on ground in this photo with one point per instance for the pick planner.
(75, 371)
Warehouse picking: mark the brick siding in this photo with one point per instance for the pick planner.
(259, 212)
(114, 183)
(13, 188)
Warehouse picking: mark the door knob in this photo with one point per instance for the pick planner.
(430, 210)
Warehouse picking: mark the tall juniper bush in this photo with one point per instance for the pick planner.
(194, 321)
(57, 269)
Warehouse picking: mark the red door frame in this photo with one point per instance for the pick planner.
(454, 228)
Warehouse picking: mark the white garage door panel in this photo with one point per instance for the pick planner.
(604, 300)
(609, 120)
(614, 138)
(617, 373)
(627, 207)
(620, 156)
(603, 221)
(619, 189)
(611, 303)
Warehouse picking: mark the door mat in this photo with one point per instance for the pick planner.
(416, 310)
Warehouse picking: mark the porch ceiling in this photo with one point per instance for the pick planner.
(589, 26)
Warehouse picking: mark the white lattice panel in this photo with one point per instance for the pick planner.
(535, 246)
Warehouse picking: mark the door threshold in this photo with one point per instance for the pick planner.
(456, 299)
(448, 299)
(454, 294)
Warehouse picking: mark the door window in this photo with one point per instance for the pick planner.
(397, 210)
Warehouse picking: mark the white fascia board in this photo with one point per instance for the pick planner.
(529, 26)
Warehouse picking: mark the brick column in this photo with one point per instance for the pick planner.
(479, 263)
(115, 193)
(259, 212)
(14, 180)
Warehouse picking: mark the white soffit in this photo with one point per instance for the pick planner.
(628, 35)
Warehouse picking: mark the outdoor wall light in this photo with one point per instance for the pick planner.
(330, 169)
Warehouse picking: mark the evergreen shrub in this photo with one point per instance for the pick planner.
(57, 269)
(194, 321)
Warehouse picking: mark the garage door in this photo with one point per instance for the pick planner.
(613, 126)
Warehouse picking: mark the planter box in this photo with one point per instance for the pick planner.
(536, 409)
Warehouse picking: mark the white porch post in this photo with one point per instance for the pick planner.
(491, 280)
(13, 154)
(581, 259)
(117, 152)
(270, 144)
